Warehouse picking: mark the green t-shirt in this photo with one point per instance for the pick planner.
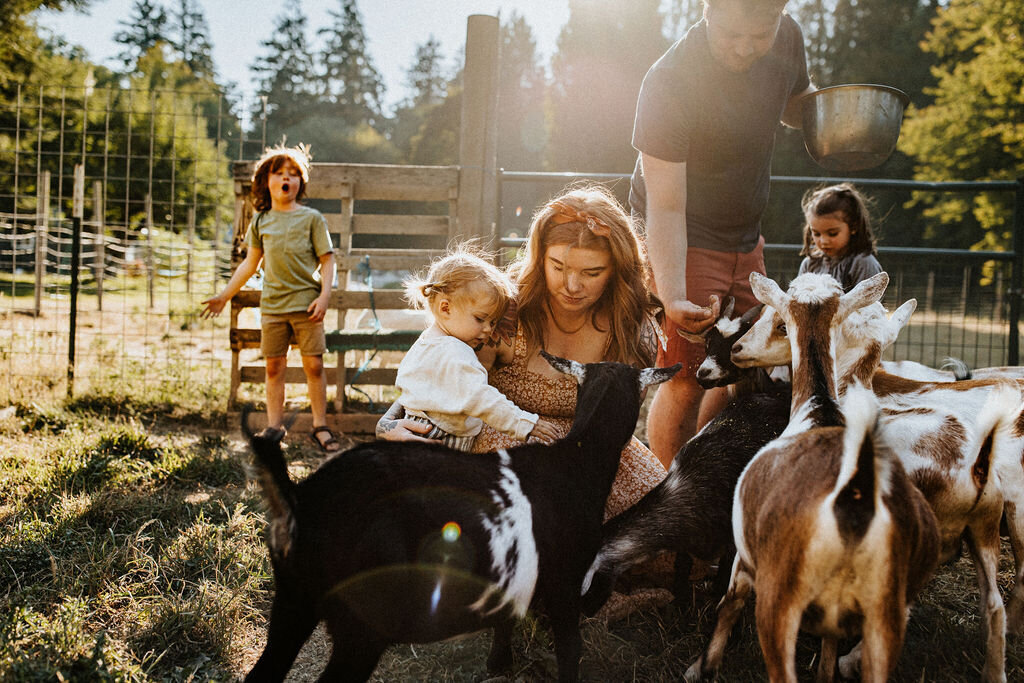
(292, 244)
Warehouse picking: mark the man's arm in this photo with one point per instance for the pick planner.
(665, 182)
(792, 116)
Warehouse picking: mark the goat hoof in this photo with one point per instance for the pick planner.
(696, 671)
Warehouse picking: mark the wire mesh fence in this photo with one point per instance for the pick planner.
(147, 175)
(135, 326)
(147, 171)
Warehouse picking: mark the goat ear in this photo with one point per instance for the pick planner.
(730, 304)
(652, 376)
(901, 316)
(569, 367)
(750, 316)
(767, 290)
(691, 337)
(864, 294)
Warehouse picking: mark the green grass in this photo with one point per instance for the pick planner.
(131, 550)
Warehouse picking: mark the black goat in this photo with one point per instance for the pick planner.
(690, 511)
(406, 542)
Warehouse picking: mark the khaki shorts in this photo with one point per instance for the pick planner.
(711, 272)
(279, 331)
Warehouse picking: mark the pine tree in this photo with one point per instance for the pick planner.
(146, 27)
(522, 88)
(426, 79)
(351, 84)
(422, 121)
(603, 54)
(192, 41)
(286, 74)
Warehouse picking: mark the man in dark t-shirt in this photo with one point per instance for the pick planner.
(705, 128)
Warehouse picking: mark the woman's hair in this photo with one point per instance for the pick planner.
(273, 159)
(589, 217)
(464, 274)
(847, 201)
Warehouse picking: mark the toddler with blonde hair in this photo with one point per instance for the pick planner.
(442, 382)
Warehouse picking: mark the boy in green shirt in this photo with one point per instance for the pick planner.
(292, 242)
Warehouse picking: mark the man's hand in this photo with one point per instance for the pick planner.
(693, 318)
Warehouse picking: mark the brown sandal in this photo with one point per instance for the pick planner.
(330, 445)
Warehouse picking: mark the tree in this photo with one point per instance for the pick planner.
(522, 89)
(426, 79)
(352, 86)
(974, 127)
(422, 122)
(603, 54)
(146, 27)
(193, 39)
(21, 42)
(285, 74)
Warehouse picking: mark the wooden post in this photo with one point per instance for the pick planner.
(42, 228)
(478, 134)
(99, 265)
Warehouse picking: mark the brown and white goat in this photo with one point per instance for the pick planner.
(959, 443)
(962, 444)
(408, 542)
(829, 531)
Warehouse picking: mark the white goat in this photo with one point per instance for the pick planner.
(828, 528)
(959, 445)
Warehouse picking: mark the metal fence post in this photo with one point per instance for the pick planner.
(1016, 277)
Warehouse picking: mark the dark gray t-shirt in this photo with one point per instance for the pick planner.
(722, 124)
(849, 270)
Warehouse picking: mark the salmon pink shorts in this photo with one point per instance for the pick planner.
(711, 272)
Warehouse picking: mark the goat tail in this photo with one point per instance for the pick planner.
(277, 487)
(994, 434)
(866, 466)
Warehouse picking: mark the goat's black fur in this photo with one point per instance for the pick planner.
(393, 542)
(690, 511)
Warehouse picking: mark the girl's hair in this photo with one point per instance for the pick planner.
(463, 274)
(589, 217)
(846, 200)
(273, 159)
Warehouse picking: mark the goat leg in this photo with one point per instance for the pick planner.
(565, 628)
(500, 657)
(729, 610)
(983, 544)
(827, 661)
(291, 624)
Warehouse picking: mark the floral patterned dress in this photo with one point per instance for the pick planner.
(555, 400)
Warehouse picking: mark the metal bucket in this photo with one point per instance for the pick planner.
(852, 127)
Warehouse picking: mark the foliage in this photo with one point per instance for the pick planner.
(603, 54)
(425, 126)
(147, 26)
(352, 88)
(974, 127)
(22, 44)
(285, 75)
(522, 92)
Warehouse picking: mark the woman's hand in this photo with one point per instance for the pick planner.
(404, 430)
(393, 426)
(544, 432)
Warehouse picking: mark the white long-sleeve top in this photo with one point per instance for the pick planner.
(441, 379)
